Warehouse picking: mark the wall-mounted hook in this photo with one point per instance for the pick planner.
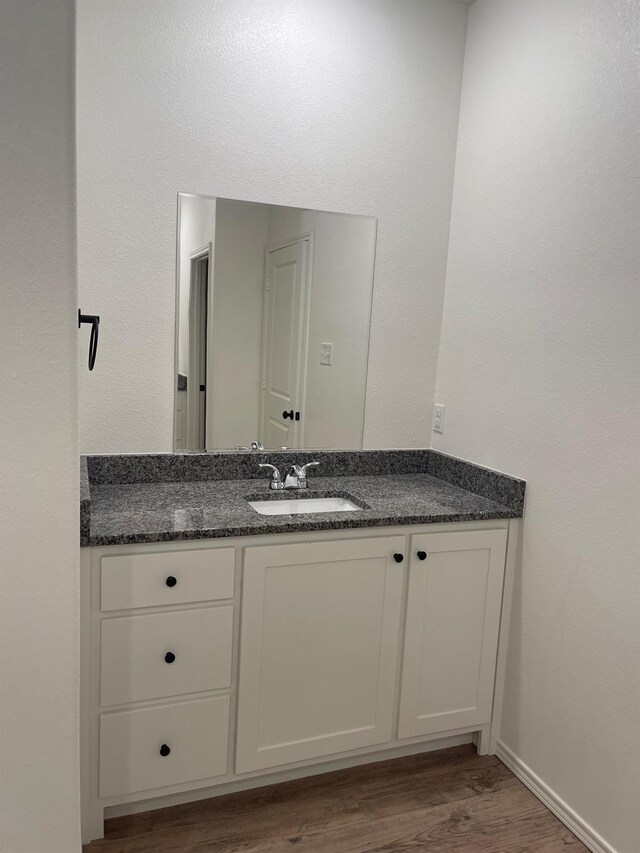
(94, 321)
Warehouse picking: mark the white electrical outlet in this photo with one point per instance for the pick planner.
(438, 418)
(326, 354)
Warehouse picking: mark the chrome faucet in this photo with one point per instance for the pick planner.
(296, 476)
(256, 447)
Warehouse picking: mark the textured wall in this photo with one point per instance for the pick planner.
(315, 103)
(540, 371)
(39, 787)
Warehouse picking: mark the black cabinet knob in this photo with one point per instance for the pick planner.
(171, 581)
(422, 555)
(288, 414)
(398, 557)
(169, 657)
(164, 750)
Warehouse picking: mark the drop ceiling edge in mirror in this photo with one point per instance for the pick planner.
(273, 312)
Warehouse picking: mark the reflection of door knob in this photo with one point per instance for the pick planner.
(289, 414)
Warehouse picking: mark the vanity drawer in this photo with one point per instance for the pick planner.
(165, 654)
(174, 577)
(133, 745)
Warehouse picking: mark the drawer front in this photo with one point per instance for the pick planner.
(132, 744)
(165, 654)
(174, 577)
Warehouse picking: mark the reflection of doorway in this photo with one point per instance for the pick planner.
(284, 338)
(199, 297)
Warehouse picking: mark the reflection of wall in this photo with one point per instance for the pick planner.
(234, 363)
(197, 230)
(539, 370)
(39, 608)
(342, 106)
(343, 255)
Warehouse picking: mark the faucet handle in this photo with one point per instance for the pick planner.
(300, 472)
(276, 474)
(276, 481)
(303, 468)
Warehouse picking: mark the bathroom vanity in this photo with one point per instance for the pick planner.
(224, 648)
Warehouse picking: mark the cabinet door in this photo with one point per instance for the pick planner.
(318, 649)
(451, 634)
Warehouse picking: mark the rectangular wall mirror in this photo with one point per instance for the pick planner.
(273, 311)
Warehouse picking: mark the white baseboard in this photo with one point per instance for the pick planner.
(580, 828)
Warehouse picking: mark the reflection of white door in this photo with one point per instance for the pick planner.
(283, 348)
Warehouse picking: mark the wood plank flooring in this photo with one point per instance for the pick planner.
(442, 802)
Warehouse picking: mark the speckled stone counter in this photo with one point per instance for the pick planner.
(163, 506)
(85, 502)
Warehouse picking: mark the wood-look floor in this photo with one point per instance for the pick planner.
(451, 800)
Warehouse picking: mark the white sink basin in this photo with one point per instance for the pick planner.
(303, 506)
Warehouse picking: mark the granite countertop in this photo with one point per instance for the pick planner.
(125, 513)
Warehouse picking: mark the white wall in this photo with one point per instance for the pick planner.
(312, 103)
(39, 787)
(540, 371)
(236, 343)
(339, 313)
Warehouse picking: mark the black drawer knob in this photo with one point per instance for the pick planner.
(169, 657)
(165, 750)
(288, 414)
(171, 581)
(422, 555)
(398, 557)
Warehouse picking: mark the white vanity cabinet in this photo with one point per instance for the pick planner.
(318, 649)
(215, 665)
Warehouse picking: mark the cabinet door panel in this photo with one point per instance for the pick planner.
(451, 634)
(318, 652)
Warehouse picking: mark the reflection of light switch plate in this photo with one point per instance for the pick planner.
(326, 354)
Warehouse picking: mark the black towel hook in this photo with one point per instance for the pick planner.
(94, 321)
